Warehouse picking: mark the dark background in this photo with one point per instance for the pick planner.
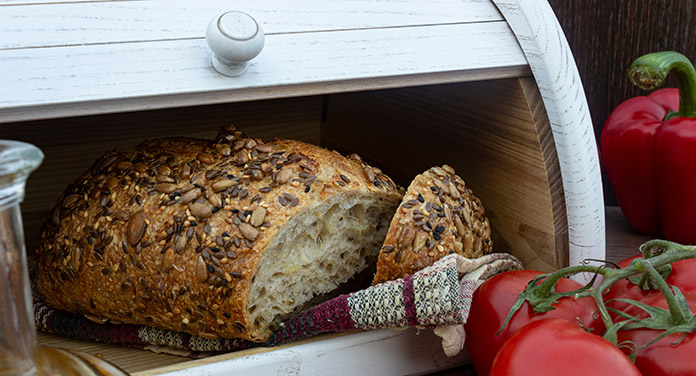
(607, 35)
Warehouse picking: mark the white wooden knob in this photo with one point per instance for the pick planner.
(235, 38)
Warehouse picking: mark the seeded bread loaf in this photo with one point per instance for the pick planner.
(438, 214)
(221, 238)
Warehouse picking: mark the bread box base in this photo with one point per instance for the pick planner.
(379, 352)
(386, 352)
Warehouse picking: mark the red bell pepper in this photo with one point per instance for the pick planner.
(649, 150)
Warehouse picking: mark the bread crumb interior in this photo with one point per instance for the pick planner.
(319, 249)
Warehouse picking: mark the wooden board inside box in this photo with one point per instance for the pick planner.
(496, 136)
(494, 133)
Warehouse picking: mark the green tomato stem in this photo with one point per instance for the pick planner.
(548, 284)
(656, 252)
(649, 72)
(603, 312)
(678, 315)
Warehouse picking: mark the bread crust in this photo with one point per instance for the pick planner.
(438, 215)
(170, 233)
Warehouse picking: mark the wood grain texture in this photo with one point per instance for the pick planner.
(550, 161)
(622, 242)
(607, 35)
(78, 80)
(78, 23)
(499, 143)
(130, 360)
(552, 64)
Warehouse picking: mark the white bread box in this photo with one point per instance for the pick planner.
(489, 87)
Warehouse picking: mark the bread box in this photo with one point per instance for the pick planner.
(489, 87)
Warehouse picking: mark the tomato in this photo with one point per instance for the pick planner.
(558, 347)
(667, 356)
(683, 275)
(491, 304)
(660, 358)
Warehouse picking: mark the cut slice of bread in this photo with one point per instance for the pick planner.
(438, 215)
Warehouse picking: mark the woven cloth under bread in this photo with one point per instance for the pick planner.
(438, 296)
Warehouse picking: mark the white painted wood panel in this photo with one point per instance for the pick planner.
(40, 82)
(542, 39)
(69, 24)
(383, 352)
(32, 2)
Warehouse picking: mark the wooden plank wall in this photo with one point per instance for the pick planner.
(496, 136)
(502, 147)
(607, 35)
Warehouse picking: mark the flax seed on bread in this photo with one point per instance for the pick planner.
(217, 238)
(439, 214)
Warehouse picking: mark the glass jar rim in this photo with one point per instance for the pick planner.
(17, 160)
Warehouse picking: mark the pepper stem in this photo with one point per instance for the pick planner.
(649, 72)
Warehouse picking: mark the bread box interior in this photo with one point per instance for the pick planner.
(503, 149)
(494, 133)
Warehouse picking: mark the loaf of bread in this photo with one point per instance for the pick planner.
(217, 238)
(438, 214)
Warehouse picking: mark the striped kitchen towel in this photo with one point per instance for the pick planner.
(438, 296)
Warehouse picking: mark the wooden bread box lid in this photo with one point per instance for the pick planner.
(489, 87)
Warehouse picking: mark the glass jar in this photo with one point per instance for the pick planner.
(20, 353)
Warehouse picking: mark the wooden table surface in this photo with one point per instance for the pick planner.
(622, 241)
